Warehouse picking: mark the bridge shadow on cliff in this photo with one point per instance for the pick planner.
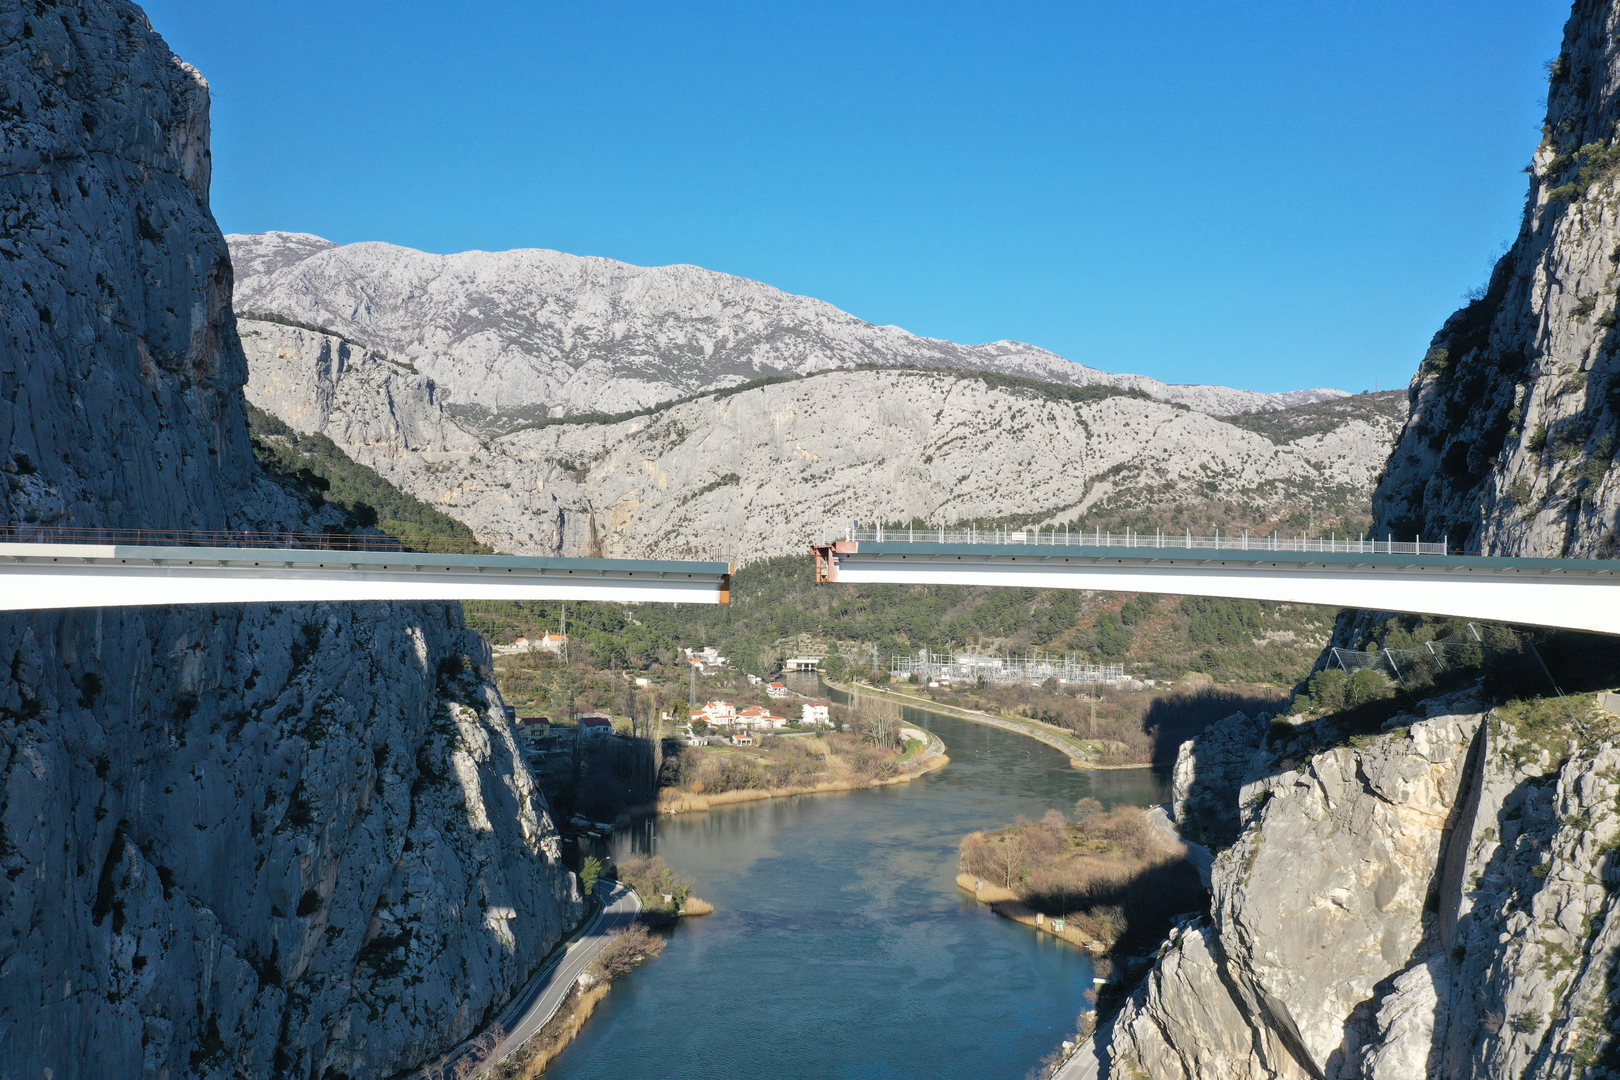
(1545, 665)
(1173, 719)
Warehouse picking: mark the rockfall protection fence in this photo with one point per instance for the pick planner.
(1066, 537)
(1422, 664)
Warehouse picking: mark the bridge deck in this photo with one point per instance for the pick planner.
(1577, 594)
(43, 575)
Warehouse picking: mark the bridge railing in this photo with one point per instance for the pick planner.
(1185, 541)
(284, 540)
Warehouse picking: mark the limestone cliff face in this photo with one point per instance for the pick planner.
(274, 840)
(1515, 421)
(758, 472)
(1438, 901)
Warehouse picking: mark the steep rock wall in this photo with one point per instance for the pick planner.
(275, 840)
(1437, 901)
(1510, 447)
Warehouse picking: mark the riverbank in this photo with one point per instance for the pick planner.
(1055, 737)
(932, 758)
(1009, 905)
(1109, 880)
(807, 891)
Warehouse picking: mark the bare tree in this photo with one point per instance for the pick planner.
(480, 1053)
(1011, 853)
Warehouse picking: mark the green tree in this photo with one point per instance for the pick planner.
(589, 873)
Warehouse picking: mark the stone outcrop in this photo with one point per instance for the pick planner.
(1437, 901)
(1209, 771)
(756, 472)
(273, 840)
(514, 336)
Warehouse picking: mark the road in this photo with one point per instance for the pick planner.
(538, 1002)
(1057, 742)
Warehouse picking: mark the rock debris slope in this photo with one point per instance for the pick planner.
(756, 472)
(514, 336)
(277, 840)
(1440, 900)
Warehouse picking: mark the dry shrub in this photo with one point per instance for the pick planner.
(653, 880)
(1089, 873)
(475, 1060)
(480, 1051)
(626, 948)
(696, 905)
(532, 1057)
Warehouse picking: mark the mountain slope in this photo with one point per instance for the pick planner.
(759, 472)
(515, 336)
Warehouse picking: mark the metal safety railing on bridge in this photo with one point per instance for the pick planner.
(1053, 536)
(53, 567)
(286, 540)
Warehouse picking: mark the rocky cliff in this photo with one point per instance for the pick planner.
(1515, 421)
(1435, 901)
(1439, 899)
(277, 840)
(758, 472)
(514, 336)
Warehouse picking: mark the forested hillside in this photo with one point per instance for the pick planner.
(777, 600)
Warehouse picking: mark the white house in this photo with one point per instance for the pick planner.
(595, 725)
(759, 718)
(717, 712)
(815, 711)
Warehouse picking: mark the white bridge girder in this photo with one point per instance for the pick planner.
(1575, 594)
(34, 576)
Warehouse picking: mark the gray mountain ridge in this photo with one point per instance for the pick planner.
(754, 473)
(514, 336)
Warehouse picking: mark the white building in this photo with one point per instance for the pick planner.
(758, 718)
(595, 725)
(816, 711)
(717, 712)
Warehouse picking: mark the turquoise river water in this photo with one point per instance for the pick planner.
(840, 945)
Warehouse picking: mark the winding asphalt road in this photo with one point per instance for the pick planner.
(538, 1002)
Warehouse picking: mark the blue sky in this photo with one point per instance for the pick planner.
(1271, 194)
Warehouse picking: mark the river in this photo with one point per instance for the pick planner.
(840, 945)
